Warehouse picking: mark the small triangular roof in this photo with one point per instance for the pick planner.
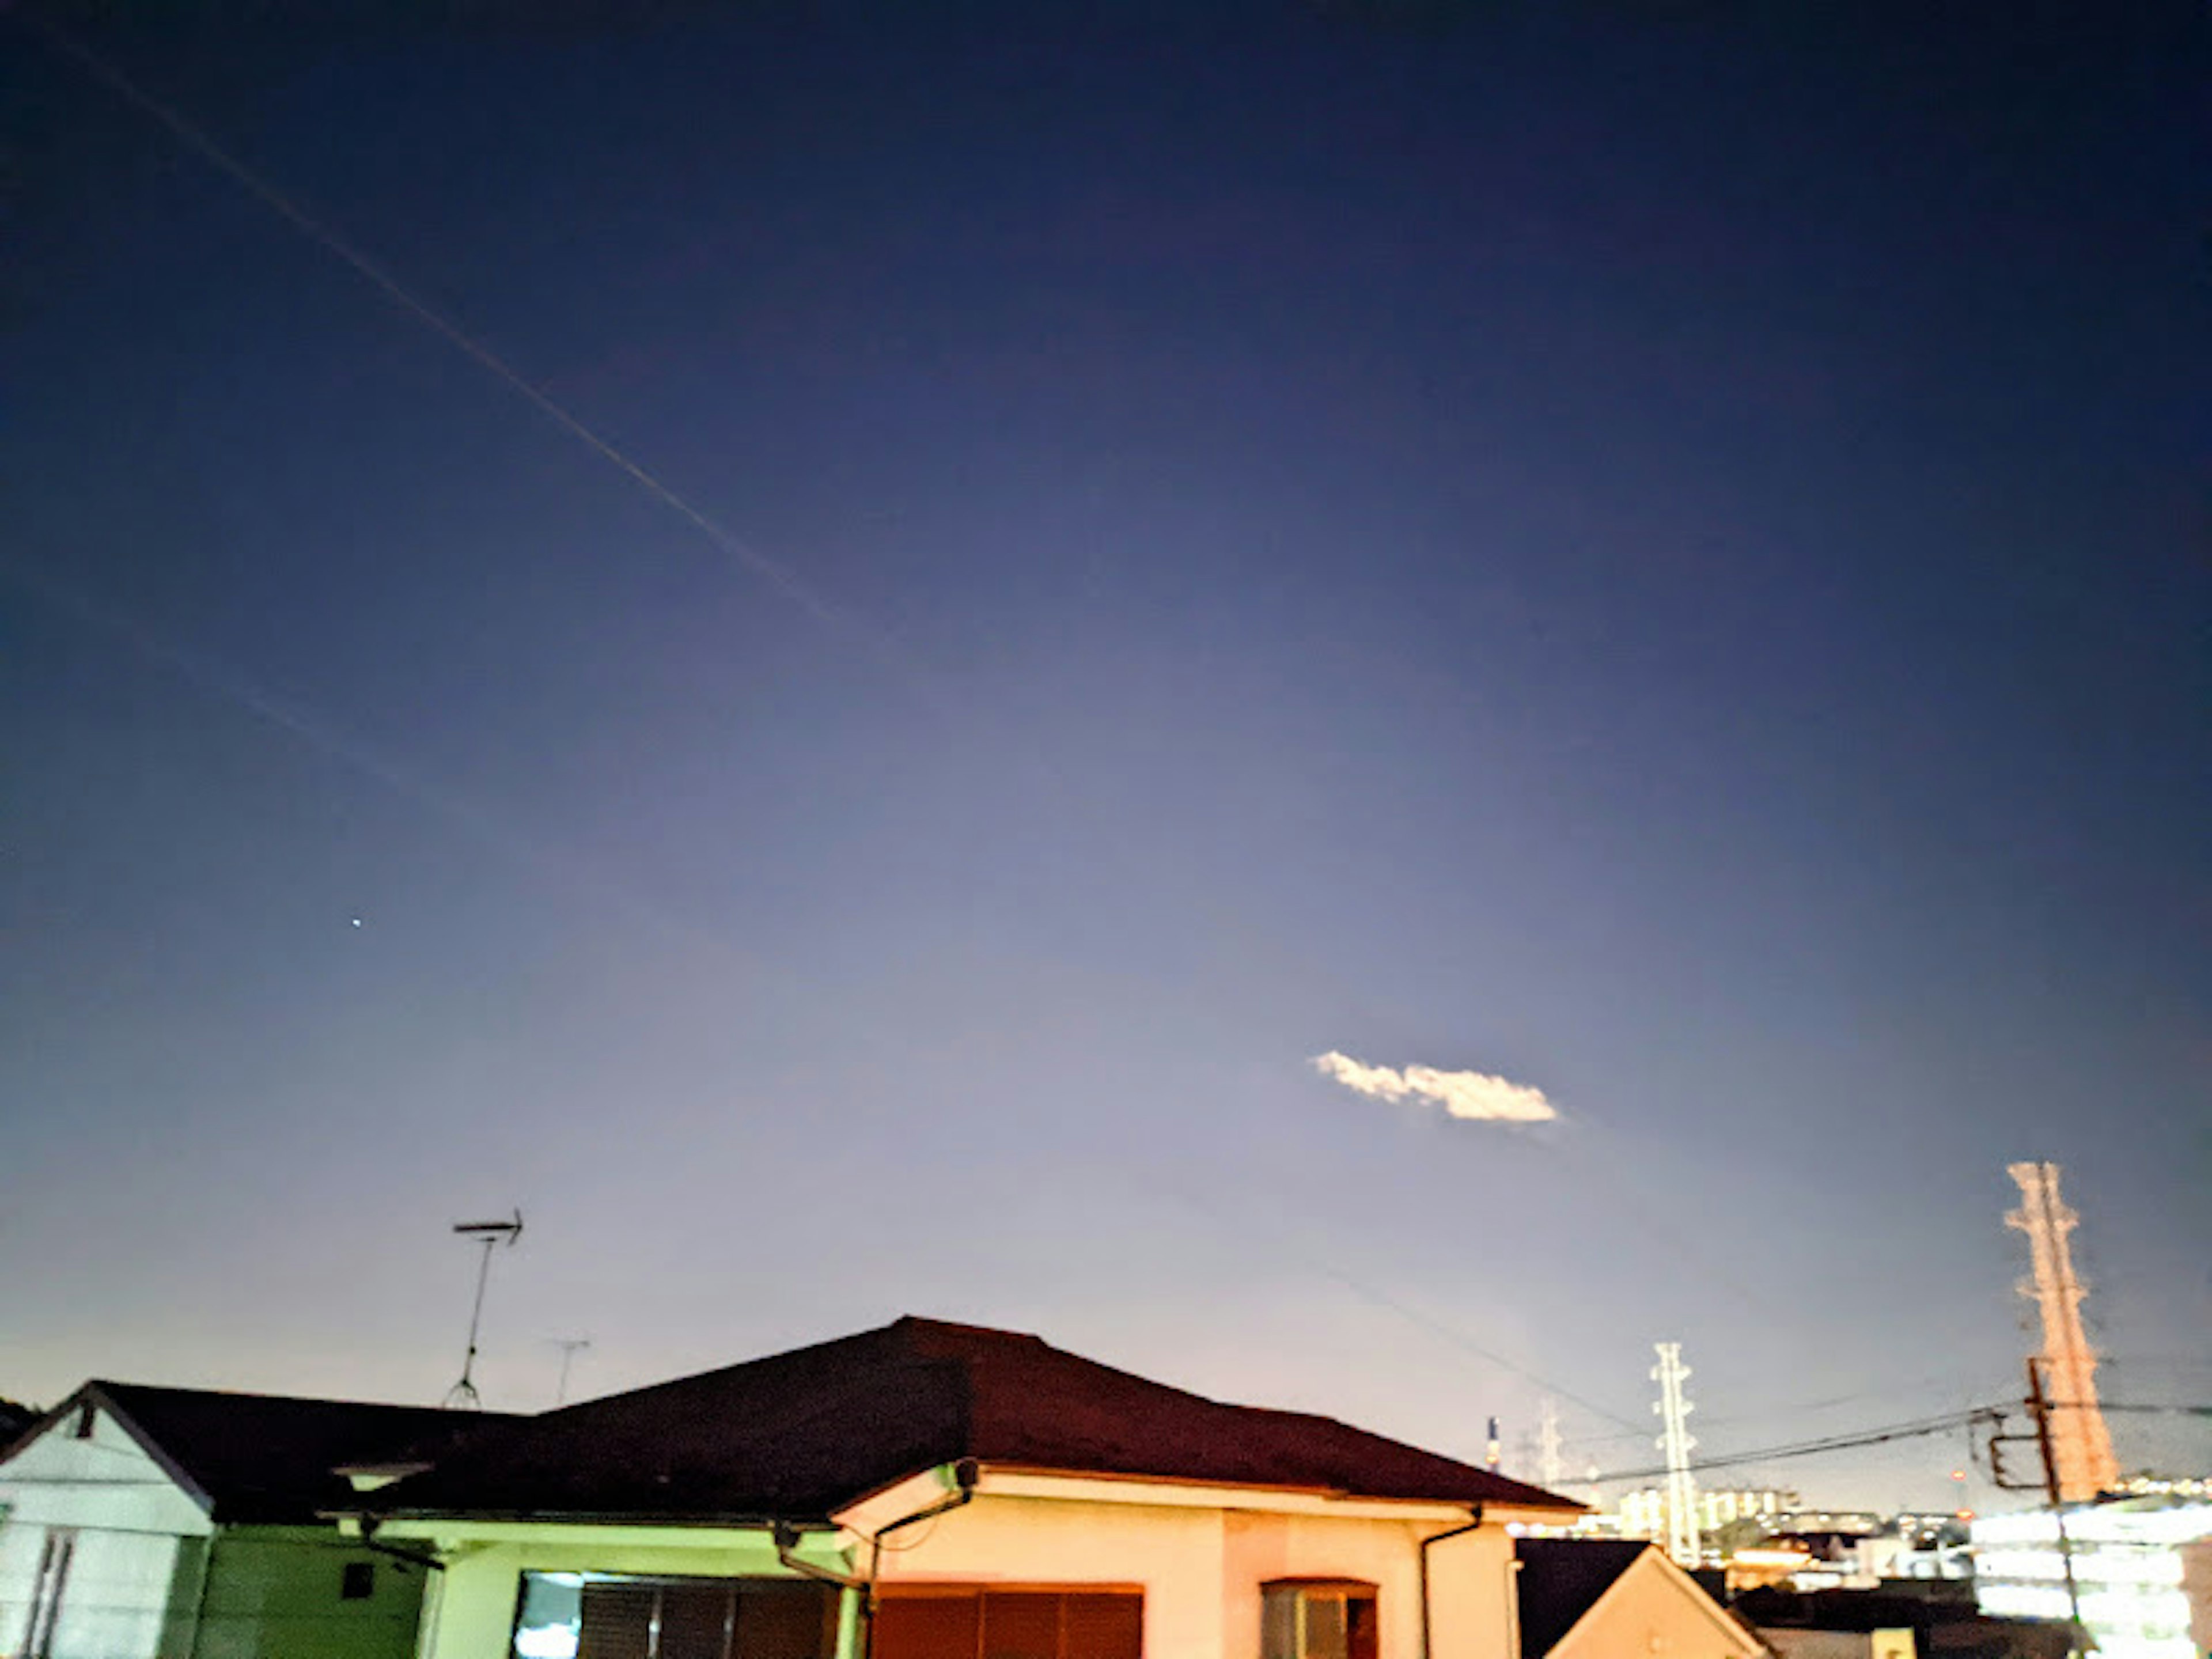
(802, 1435)
(265, 1458)
(1561, 1579)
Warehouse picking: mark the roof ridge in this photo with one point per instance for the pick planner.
(111, 1387)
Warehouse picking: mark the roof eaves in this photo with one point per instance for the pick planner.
(372, 1518)
(101, 1394)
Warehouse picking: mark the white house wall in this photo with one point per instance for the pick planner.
(138, 1536)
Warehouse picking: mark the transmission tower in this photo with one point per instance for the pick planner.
(1550, 1473)
(1683, 1542)
(2080, 1445)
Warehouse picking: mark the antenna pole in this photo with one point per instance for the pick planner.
(567, 1344)
(463, 1395)
(1549, 1472)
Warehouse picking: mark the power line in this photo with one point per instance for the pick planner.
(1915, 1430)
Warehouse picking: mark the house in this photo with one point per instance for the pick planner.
(1604, 1599)
(927, 1489)
(172, 1523)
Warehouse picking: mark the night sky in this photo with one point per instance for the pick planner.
(1657, 551)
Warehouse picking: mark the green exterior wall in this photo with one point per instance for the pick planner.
(471, 1611)
(273, 1592)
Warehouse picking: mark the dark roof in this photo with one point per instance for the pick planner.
(267, 1458)
(801, 1435)
(1561, 1579)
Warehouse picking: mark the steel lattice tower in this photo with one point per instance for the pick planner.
(1549, 1471)
(2080, 1445)
(1684, 1543)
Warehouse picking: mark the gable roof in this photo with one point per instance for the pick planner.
(802, 1435)
(1561, 1579)
(269, 1458)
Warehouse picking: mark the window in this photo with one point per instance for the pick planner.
(600, 1615)
(357, 1582)
(87, 1415)
(1317, 1618)
(54, 1558)
(957, 1622)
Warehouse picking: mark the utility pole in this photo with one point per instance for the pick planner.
(2081, 1443)
(1549, 1472)
(2047, 1483)
(2039, 1407)
(1683, 1542)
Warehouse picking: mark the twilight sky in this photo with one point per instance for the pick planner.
(1653, 551)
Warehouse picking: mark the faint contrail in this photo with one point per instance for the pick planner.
(312, 728)
(1462, 1094)
(774, 573)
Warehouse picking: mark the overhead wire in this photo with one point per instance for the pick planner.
(1916, 1428)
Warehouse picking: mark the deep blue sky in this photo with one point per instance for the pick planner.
(1657, 550)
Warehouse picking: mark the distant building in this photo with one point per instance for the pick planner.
(1855, 1624)
(2138, 1564)
(1643, 1514)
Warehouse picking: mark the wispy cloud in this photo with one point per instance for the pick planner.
(1462, 1094)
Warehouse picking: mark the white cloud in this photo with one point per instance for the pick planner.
(1462, 1094)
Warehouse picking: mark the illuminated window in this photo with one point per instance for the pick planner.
(357, 1581)
(54, 1558)
(1310, 1619)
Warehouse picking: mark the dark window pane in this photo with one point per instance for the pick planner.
(357, 1581)
(777, 1621)
(695, 1620)
(1361, 1639)
(617, 1622)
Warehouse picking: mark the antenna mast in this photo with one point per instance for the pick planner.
(568, 1345)
(463, 1395)
(1551, 1472)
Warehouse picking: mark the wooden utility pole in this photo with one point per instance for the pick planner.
(2039, 1407)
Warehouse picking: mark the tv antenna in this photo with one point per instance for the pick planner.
(569, 1346)
(463, 1395)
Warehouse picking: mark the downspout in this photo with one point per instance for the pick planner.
(1438, 1538)
(965, 1473)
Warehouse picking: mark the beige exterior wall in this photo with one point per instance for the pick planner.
(1654, 1608)
(1201, 1568)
